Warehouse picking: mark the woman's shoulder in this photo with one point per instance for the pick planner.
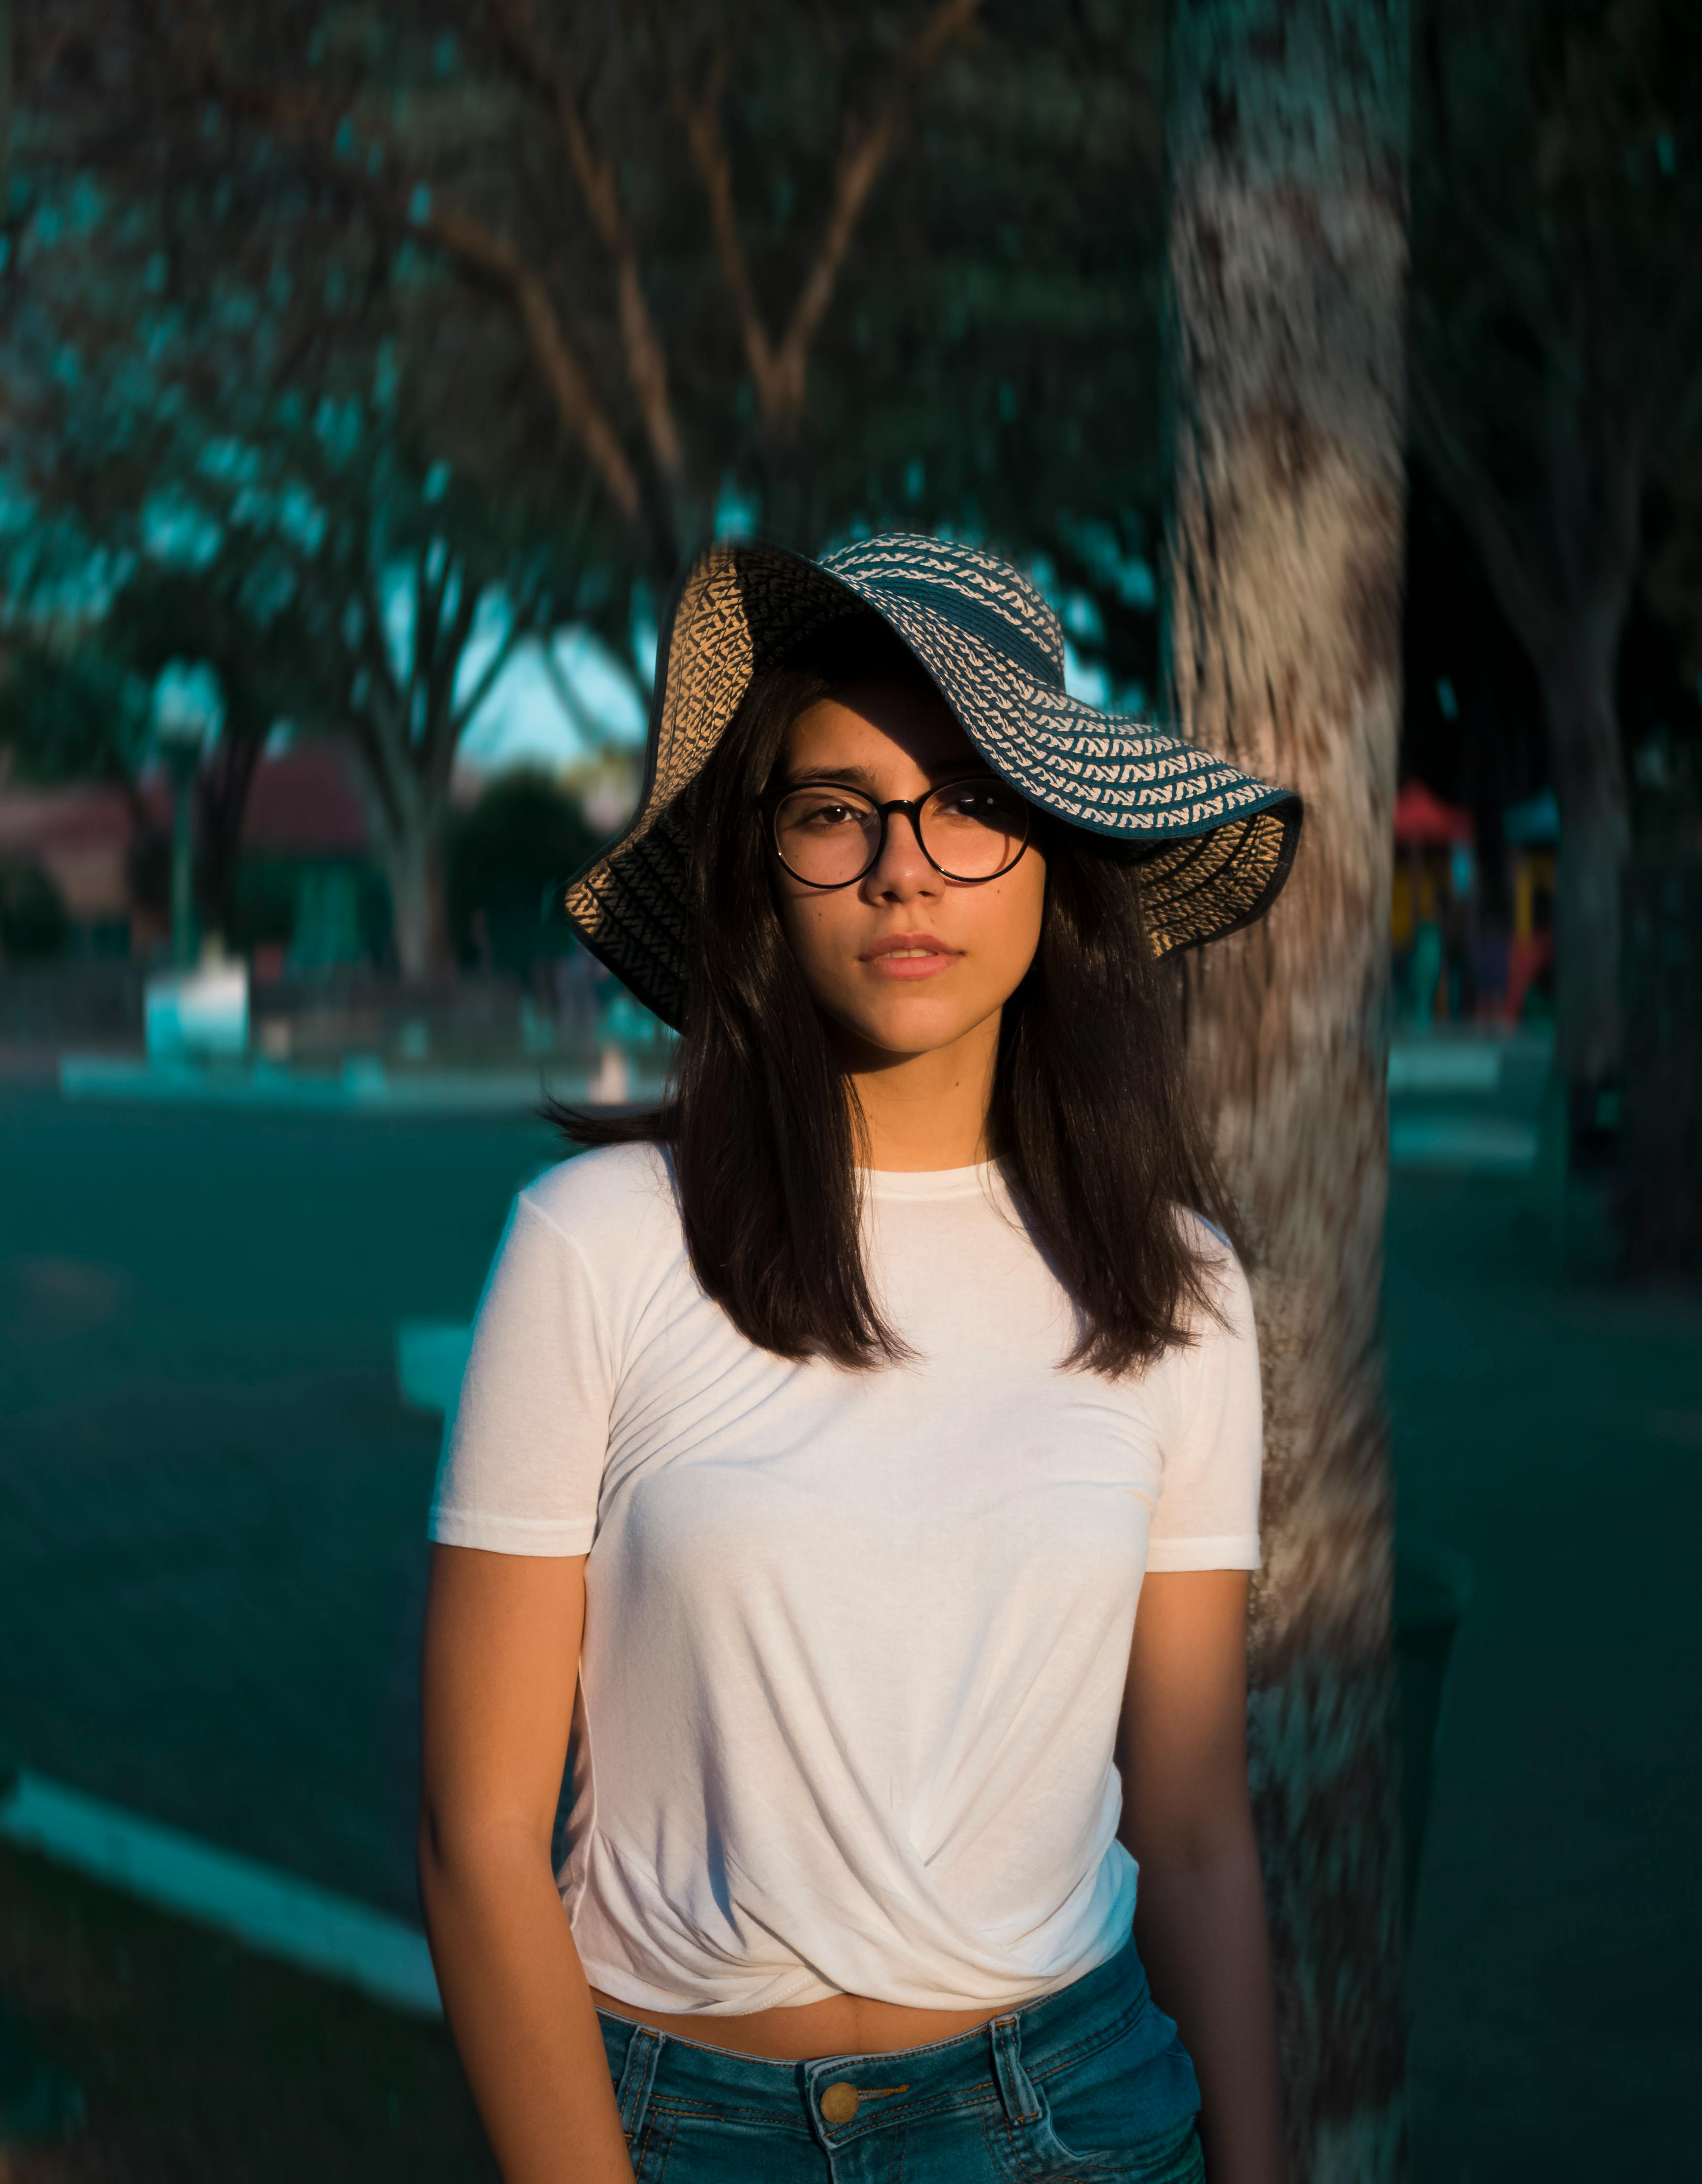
(1208, 1244)
(1222, 1277)
(615, 1199)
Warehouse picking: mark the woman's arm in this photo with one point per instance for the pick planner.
(1200, 1922)
(501, 1666)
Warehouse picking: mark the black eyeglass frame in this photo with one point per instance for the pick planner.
(769, 804)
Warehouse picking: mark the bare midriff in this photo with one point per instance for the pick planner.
(842, 2024)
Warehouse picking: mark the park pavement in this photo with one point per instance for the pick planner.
(212, 1562)
(1551, 1430)
(212, 1501)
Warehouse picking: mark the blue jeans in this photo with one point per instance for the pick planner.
(1088, 2083)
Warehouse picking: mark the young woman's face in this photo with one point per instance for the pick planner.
(905, 961)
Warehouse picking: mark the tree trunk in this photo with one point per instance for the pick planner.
(1577, 675)
(223, 802)
(1286, 263)
(413, 865)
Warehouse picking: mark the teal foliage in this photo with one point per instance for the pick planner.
(73, 716)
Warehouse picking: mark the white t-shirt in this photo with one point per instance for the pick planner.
(855, 1642)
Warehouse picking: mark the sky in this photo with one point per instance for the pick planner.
(525, 719)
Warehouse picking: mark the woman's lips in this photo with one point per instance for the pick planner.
(909, 955)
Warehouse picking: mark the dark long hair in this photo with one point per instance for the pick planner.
(1090, 1120)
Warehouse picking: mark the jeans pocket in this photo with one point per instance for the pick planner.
(1165, 2157)
(1114, 2108)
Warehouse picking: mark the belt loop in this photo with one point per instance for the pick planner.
(1016, 2087)
(637, 2075)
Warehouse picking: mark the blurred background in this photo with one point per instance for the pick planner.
(366, 372)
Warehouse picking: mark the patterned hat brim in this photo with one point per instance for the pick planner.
(1221, 842)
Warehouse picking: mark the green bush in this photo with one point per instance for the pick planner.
(502, 859)
(271, 891)
(34, 923)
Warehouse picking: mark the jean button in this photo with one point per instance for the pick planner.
(840, 2102)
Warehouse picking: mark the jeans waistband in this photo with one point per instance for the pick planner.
(1028, 2043)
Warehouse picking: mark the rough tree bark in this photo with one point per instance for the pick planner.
(1287, 264)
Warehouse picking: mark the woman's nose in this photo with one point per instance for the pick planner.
(901, 871)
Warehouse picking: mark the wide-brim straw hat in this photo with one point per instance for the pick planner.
(1221, 842)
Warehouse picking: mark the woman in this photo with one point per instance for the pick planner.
(820, 1433)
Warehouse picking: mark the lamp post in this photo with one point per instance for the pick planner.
(186, 717)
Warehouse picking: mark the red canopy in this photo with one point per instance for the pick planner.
(1424, 822)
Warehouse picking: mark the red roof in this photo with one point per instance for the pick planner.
(79, 816)
(305, 801)
(1424, 822)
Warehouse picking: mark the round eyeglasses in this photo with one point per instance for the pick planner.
(830, 836)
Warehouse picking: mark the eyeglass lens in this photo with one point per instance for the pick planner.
(971, 830)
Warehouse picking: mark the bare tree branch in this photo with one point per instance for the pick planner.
(646, 362)
(779, 369)
(304, 118)
(486, 681)
(485, 250)
(582, 721)
(444, 721)
(429, 594)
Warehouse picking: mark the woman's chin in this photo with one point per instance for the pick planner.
(906, 1032)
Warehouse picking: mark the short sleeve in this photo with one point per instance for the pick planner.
(1207, 1511)
(523, 1453)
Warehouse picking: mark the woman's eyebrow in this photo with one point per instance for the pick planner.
(859, 776)
(850, 777)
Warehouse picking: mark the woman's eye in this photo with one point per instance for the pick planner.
(828, 815)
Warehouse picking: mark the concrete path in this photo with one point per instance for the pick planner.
(363, 1086)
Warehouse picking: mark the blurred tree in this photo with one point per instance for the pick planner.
(429, 599)
(775, 267)
(1287, 264)
(1556, 370)
(1675, 575)
(548, 155)
(300, 459)
(381, 598)
(164, 614)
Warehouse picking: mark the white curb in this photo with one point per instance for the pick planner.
(272, 1912)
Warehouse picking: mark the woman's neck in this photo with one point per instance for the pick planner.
(922, 1111)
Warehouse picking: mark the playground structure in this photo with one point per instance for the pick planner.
(1456, 958)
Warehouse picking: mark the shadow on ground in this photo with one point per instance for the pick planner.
(202, 2065)
(1552, 1431)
